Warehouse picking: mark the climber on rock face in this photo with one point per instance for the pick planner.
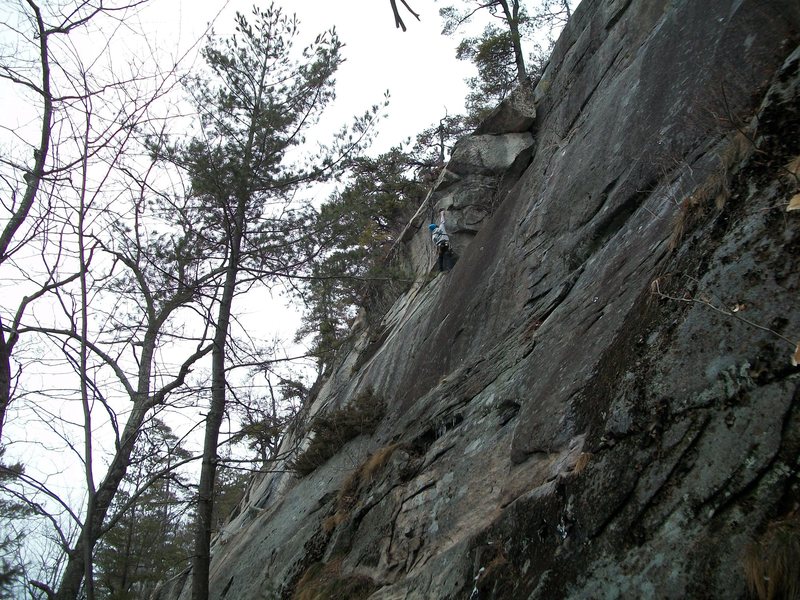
(441, 240)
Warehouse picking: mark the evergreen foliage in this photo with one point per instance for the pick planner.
(497, 52)
(513, 15)
(435, 144)
(357, 229)
(150, 540)
(265, 419)
(12, 529)
(493, 55)
(229, 489)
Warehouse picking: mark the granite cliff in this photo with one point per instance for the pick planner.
(600, 400)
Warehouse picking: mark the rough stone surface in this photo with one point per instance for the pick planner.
(598, 400)
(487, 154)
(515, 114)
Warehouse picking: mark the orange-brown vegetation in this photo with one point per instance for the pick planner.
(772, 562)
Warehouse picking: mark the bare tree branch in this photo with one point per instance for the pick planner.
(398, 20)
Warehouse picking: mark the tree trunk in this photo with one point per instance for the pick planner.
(88, 440)
(5, 378)
(512, 18)
(201, 561)
(70, 585)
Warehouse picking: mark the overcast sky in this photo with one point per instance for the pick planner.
(417, 66)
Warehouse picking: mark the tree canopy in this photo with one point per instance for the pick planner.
(357, 228)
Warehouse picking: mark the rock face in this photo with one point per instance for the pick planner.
(599, 400)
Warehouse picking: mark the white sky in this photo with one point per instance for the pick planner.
(418, 66)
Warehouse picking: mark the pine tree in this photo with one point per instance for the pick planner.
(508, 42)
(255, 108)
(360, 225)
(150, 540)
(498, 53)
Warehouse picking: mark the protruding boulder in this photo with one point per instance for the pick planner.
(487, 154)
(515, 114)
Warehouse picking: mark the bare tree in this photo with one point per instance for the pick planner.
(158, 278)
(120, 275)
(21, 201)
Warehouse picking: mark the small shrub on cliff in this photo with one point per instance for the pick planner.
(332, 431)
(583, 461)
(772, 562)
(714, 191)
